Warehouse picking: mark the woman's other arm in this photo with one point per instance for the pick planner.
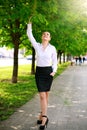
(54, 62)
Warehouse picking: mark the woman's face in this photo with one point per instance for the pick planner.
(46, 36)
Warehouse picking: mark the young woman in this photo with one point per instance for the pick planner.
(46, 67)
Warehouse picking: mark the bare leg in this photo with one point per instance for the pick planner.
(44, 103)
(47, 96)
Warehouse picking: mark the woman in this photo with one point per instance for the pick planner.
(46, 67)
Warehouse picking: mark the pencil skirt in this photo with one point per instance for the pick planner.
(43, 78)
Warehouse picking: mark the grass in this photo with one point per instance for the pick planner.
(13, 96)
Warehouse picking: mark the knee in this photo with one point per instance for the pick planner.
(42, 96)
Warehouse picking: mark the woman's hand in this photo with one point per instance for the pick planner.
(30, 20)
(52, 74)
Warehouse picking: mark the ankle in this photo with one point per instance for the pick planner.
(44, 119)
(39, 121)
(44, 122)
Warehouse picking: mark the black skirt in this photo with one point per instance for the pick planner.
(43, 78)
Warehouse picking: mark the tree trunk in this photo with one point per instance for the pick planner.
(33, 61)
(59, 53)
(15, 65)
(16, 41)
(63, 57)
(68, 57)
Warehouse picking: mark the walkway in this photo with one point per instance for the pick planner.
(67, 108)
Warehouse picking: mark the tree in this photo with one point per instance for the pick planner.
(14, 18)
(65, 22)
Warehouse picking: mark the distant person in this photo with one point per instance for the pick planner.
(83, 59)
(80, 60)
(76, 59)
(46, 68)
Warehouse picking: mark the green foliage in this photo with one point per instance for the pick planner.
(13, 96)
(64, 19)
(61, 68)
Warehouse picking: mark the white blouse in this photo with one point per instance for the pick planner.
(44, 57)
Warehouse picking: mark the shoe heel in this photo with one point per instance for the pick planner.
(47, 122)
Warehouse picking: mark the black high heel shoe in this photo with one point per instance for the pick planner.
(42, 127)
(39, 121)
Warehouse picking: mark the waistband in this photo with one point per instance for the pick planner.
(43, 66)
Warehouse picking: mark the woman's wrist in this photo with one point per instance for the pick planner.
(52, 74)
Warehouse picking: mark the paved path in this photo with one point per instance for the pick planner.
(67, 108)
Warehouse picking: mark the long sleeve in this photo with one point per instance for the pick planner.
(54, 60)
(30, 36)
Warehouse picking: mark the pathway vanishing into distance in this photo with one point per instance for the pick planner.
(67, 108)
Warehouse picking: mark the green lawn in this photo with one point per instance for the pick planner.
(13, 96)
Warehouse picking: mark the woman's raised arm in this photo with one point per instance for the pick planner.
(30, 35)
